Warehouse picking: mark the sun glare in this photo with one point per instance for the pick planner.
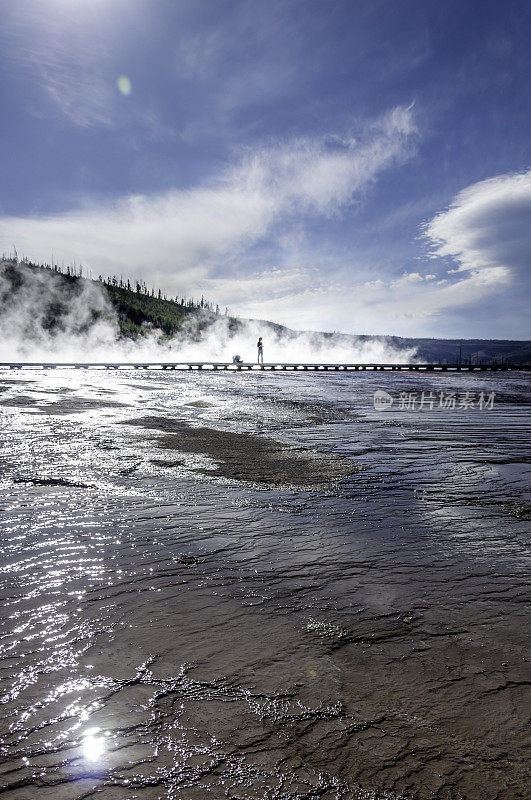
(93, 744)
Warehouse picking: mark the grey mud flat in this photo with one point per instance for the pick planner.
(244, 456)
(263, 589)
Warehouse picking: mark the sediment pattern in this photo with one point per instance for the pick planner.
(262, 587)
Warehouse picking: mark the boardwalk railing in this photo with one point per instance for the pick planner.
(273, 366)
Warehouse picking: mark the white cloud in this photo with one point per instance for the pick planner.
(408, 278)
(271, 283)
(403, 307)
(179, 238)
(487, 229)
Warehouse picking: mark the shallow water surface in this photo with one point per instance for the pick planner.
(259, 586)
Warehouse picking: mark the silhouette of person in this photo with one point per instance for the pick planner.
(260, 350)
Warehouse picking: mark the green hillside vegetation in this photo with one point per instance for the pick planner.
(139, 312)
(138, 308)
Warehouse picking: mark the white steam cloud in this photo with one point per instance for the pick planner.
(46, 318)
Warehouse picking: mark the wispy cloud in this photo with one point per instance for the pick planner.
(178, 238)
(67, 58)
(64, 57)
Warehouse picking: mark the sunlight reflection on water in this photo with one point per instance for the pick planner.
(93, 744)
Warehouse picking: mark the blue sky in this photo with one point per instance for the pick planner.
(359, 166)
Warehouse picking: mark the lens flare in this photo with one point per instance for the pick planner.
(124, 85)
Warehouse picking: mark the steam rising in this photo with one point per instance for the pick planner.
(45, 318)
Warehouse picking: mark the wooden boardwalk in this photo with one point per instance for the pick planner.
(270, 367)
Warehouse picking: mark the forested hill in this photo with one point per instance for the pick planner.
(51, 296)
(138, 308)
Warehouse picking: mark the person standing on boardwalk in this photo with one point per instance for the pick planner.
(260, 346)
